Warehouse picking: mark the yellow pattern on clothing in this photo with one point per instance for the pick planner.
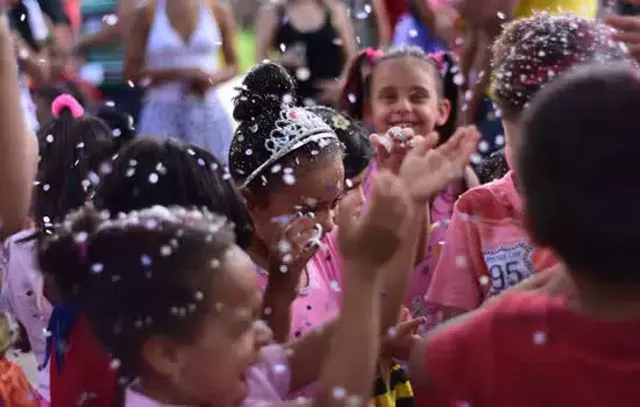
(396, 393)
(582, 8)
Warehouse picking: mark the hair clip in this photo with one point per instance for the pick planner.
(66, 101)
(373, 55)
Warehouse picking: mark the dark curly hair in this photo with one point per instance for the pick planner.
(149, 172)
(530, 52)
(358, 152)
(140, 275)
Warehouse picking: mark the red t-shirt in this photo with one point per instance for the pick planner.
(529, 350)
(85, 375)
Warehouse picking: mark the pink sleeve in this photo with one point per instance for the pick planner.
(455, 282)
(269, 380)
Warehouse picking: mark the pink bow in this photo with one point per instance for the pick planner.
(66, 101)
(373, 55)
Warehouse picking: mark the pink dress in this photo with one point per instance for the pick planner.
(268, 382)
(319, 301)
(23, 298)
(487, 249)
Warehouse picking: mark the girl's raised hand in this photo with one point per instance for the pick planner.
(374, 236)
(428, 171)
(392, 147)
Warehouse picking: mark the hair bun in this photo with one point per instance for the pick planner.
(264, 90)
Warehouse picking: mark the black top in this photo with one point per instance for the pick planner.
(324, 54)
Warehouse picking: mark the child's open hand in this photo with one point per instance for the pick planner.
(392, 147)
(428, 171)
(374, 236)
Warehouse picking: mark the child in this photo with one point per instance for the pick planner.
(487, 249)
(73, 144)
(407, 88)
(145, 173)
(73, 147)
(358, 151)
(570, 351)
(286, 161)
(195, 338)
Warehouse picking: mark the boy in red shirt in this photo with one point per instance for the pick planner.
(530, 348)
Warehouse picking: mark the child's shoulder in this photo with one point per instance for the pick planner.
(492, 200)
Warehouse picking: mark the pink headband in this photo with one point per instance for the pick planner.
(66, 101)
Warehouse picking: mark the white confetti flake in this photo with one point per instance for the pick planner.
(97, 268)
(153, 178)
(539, 338)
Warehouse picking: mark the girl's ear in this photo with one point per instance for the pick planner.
(444, 112)
(163, 356)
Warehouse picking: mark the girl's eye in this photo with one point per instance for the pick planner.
(418, 97)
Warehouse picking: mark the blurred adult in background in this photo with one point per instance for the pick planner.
(104, 24)
(420, 25)
(483, 20)
(172, 50)
(30, 38)
(627, 23)
(313, 39)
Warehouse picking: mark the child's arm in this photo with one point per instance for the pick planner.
(384, 26)
(366, 244)
(430, 172)
(227, 25)
(18, 147)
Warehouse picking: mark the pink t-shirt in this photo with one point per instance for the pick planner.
(319, 301)
(23, 297)
(487, 249)
(268, 382)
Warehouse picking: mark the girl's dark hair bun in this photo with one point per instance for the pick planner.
(265, 88)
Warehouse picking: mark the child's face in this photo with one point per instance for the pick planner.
(356, 187)
(317, 189)
(404, 93)
(210, 370)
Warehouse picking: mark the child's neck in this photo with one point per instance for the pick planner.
(607, 302)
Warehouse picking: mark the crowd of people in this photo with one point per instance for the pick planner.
(417, 211)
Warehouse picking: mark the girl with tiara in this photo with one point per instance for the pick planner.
(288, 163)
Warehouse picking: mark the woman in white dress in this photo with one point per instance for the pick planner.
(173, 50)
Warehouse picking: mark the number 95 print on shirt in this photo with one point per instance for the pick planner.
(508, 265)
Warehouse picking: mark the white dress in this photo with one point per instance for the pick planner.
(169, 110)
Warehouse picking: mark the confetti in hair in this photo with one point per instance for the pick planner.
(533, 51)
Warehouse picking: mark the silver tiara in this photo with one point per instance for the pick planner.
(294, 128)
